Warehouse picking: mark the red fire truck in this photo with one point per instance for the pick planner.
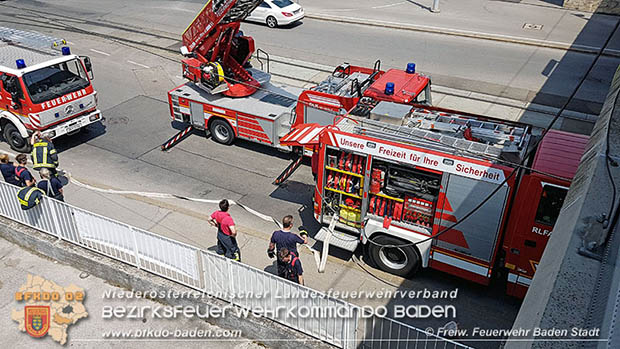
(402, 173)
(230, 100)
(43, 87)
(393, 170)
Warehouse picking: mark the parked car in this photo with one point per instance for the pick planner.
(276, 12)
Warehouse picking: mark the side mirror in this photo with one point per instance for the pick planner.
(89, 67)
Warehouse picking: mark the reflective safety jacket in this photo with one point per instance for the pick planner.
(29, 197)
(44, 155)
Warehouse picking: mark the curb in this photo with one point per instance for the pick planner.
(513, 103)
(465, 33)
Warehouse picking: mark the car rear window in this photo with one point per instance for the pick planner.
(282, 3)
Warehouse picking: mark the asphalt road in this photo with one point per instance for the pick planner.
(132, 80)
(510, 70)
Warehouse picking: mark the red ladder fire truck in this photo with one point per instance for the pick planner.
(230, 100)
(43, 87)
(404, 173)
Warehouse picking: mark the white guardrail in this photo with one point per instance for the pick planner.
(221, 277)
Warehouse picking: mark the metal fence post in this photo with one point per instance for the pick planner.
(135, 248)
(230, 281)
(355, 325)
(435, 7)
(55, 218)
(202, 282)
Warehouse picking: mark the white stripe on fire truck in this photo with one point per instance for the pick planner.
(217, 110)
(325, 100)
(519, 279)
(460, 263)
(293, 135)
(34, 120)
(333, 139)
(308, 137)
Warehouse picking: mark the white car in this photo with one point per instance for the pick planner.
(276, 12)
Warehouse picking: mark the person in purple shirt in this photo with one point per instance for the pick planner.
(8, 170)
(284, 238)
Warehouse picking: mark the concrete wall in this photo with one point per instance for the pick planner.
(598, 6)
(565, 288)
(125, 276)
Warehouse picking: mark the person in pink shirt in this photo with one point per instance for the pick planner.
(226, 232)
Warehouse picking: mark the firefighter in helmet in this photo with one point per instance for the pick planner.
(44, 154)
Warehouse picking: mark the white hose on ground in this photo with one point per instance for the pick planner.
(325, 252)
(315, 253)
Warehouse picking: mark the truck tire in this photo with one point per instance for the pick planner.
(14, 138)
(222, 132)
(402, 261)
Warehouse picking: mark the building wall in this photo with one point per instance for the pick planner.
(598, 6)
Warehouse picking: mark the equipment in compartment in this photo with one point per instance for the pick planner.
(385, 207)
(418, 211)
(350, 213)
(400, 194)
(343, 183)
(377, 180)
(413, 181)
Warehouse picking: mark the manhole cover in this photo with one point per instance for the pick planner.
(532, 26)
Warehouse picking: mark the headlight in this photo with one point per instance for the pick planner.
(50, 134)
(93, 117)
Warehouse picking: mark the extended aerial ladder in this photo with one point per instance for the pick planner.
(216, 50)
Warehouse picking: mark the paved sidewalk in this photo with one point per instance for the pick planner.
(15, 266)
(533, 22)
(291, 72)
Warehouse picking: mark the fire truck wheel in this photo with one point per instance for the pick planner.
(222, 132)
(15, 139)
(400, 261)
(272, 22)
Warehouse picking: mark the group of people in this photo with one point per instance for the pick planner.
(283, 244)
(45, 160)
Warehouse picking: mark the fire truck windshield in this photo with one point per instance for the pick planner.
(55, 81)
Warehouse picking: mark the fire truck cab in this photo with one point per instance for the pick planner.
(539, 199)
(395, 175)
(43, 87)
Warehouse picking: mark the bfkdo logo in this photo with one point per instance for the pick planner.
(49, 308)
(37, 320)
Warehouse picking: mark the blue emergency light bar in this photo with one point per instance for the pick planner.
(66, 51)
(410, 68)
(20, 64)
(389, 88)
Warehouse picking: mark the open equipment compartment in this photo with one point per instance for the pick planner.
(344, 183)
(403, 195)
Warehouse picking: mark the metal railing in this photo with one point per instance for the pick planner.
(329, 319)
